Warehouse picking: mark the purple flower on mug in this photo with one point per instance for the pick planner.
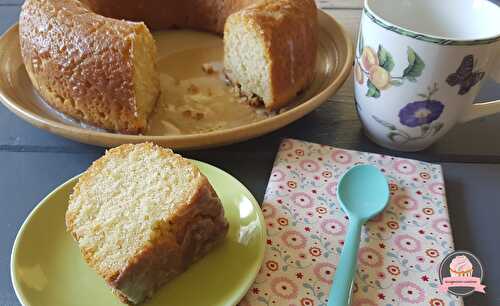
(420, 112)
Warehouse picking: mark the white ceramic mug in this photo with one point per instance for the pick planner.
(419, 65)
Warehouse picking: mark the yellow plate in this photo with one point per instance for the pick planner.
(48, 269)
(335, 58)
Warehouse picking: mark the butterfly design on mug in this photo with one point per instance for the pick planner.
(465, 76)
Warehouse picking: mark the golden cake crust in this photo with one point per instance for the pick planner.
(81, 63)
(205, 15)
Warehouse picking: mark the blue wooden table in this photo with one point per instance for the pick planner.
(34, 162)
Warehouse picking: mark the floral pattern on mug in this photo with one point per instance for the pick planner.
(400, 249)
(420, 114)
(377, 67)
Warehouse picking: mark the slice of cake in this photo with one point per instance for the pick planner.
(141, 215)
(270, 49)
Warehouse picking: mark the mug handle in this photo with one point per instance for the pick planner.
(484, 109)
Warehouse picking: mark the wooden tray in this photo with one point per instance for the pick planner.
(335, 57)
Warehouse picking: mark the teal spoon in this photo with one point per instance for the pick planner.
(363, 193)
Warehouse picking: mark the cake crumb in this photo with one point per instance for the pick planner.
(255, 101)
(250, 99)
(212, 67)
(208, 68)
(193, 89)
(199, 116)
(193, 115)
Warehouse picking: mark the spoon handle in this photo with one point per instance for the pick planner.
(340, 291)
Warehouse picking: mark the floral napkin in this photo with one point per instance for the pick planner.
(400, 250)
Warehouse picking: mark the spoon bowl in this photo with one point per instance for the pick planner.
(363, 192)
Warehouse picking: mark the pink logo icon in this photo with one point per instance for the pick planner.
(461, 274)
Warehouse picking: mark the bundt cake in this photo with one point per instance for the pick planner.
(95, 59)
(141, 215)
